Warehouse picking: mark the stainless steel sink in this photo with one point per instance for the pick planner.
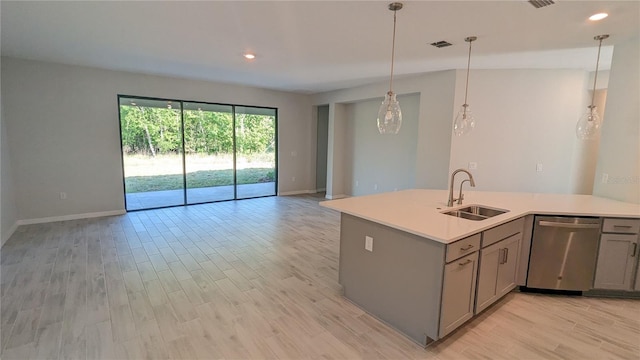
(475, 212)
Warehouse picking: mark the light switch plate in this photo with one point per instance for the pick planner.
(368, 243)
(473, 165)
(539, 167)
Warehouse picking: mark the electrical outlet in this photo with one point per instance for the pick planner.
(368, 243)
(473, 165)
(375, 186)
(293, 179)
(539, 167)
(605, 178)
(63, 196)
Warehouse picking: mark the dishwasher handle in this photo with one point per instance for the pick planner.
(568, 225)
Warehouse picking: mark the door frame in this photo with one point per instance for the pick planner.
(184, 173)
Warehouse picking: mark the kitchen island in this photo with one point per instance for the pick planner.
(426, 273)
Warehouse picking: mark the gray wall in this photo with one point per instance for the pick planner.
(380, 163)
(437, 106)
(62, 123)
(619, 154)
(523, 117)
(8, 214)
(434, 115)
(321, 150)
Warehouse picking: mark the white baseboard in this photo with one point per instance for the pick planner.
(297, 192)
(9, 233)
(333, 197)
(71, 217)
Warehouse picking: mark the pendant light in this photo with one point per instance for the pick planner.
(390, 115)
(464, 121)
(588, 126)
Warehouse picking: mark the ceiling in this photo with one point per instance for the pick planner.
(311, 46)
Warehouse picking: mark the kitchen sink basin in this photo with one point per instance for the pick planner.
(475, 212)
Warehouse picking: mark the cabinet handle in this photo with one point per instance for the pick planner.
(568, 225)
(465, 263)
(466, 247)
(503, 255)
(635, 248)
(623, 226)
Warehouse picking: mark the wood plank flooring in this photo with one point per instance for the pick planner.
(252, 279)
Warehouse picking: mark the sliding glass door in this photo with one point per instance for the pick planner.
(177, 152)
(208, 145)
(255, 151)
(151, 133)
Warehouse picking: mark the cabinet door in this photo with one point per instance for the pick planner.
(497, 271)
(508, 265)
(488, 276)
(616, 261)
(458, 293)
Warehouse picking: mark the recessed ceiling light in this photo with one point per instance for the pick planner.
(598, 16)
(249, 56)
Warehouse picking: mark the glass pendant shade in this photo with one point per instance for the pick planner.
(389, 115)
(588, 127)
(464, 122)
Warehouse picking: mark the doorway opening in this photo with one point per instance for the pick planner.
(322, 148)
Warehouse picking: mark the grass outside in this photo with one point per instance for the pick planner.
(164, 171)
(198, 179)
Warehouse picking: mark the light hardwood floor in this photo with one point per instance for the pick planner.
(251, 279)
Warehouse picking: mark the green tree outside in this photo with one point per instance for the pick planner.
(156, 132)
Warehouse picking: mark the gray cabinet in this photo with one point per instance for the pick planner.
(617, 267)
(399, 281)
(617, 257)
(458, 292)
(497, 271)
(508, 265)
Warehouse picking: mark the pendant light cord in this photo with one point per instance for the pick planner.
(595, 77)
(393, 50)
(466, 87)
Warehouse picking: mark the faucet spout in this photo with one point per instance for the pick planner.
(452, 184)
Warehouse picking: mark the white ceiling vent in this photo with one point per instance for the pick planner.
(541, 3)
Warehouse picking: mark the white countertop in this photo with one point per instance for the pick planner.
(419, 211)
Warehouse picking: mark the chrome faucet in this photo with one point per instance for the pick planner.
(460, 196)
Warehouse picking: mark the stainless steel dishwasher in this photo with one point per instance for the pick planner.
(563, 253)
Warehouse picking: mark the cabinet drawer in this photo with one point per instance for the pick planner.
(501, 232)
(621, 226)
(463, 247)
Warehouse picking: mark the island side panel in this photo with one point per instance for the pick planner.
(400, 281)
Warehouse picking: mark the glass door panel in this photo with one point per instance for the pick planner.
(151, 134)
(208, 143)
(255, 151)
